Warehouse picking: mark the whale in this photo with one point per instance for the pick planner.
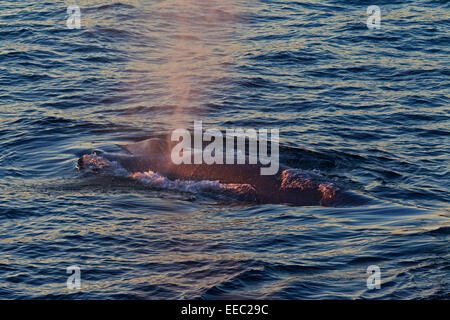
(288, 186)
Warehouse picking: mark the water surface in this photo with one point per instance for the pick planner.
(366, 108)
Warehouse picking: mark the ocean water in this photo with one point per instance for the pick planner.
(368, 109)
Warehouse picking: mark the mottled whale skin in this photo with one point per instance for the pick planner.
(283, 187)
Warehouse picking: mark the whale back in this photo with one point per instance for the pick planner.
(287, 186)
(292, 186)
(149, 147)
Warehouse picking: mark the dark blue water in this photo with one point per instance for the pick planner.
(368, 109)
